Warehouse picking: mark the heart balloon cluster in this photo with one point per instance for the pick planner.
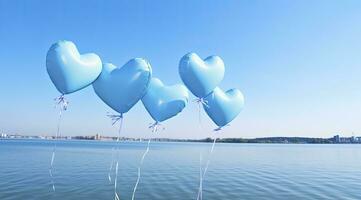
(118, 87)
(202, 78)
(122, 87)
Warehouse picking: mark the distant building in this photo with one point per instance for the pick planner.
(336, 139)
(98, 137)
(346, 139)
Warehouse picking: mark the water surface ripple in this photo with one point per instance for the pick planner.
(237, 171)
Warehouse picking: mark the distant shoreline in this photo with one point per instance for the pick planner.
(264, 140)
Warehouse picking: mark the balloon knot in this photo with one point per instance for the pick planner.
(220, 128)
(61, 102)
(155, 127)
(115, 118)
(201, 101)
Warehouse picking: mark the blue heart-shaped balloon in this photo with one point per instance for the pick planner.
(201, 77)
(163, 102)
(121, 88)
(70, 71)
(223, 107)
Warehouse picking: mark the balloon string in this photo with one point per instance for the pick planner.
(63, 105)
(200, 102)
(111, 166)
(139, 169)
(116, 197)
(155, 127)
(209, 159)
(205, 170)
(200, 178)
(115, 119)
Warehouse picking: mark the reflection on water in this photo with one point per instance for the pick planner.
(171, 171)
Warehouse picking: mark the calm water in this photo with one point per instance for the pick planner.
(237, 171)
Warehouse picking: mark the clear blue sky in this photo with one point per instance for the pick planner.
(298, 63)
